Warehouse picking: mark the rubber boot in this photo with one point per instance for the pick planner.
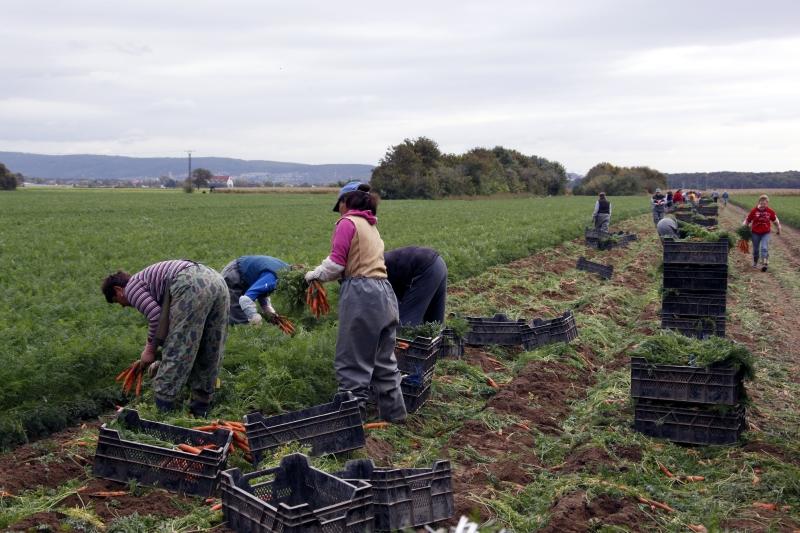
(764, 264)
(165, 406)
(199, 408)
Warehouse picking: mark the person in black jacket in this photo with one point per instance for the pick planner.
(419, 279)
(602, 213)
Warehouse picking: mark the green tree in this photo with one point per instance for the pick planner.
(201, 177)
(8, 180)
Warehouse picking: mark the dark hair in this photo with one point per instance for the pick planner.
(361, 199)
(117, 279)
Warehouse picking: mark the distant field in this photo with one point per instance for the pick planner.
(787, 207)
(62, 343)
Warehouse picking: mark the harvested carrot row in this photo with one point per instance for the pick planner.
(376, 425)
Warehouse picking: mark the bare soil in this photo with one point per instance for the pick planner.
(575, 513)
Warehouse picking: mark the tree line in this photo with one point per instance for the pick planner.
(736, 180)
(9, 180)
(418, 169)
(620, 181)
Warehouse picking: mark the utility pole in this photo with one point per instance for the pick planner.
(189, 175)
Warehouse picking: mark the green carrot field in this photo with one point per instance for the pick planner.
(63, 344)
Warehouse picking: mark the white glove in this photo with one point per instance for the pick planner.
(255, 320)
(249, 308)
(266, 305)
(326, 271)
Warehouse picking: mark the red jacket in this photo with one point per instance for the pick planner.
(677, 197)
(762, 220)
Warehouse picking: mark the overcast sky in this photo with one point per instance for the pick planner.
(675, 85)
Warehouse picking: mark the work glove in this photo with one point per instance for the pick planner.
(266, 305)
(255, 320)
(152, 370)
(326, 271)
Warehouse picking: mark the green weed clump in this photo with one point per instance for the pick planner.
(675, 349)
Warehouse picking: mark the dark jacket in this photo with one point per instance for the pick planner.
(402, 264)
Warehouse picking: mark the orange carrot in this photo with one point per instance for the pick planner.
(376, 425)
(693, 479)
(523, 426)
(139, 384)
(492, 383)
(216, 507)
(108, 494)
(665, 470)
(400, 345)
(4, 494)
(655, 504)
(189, 449)
(697, 528)
(766, 506)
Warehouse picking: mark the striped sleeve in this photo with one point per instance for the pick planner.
(139, 296)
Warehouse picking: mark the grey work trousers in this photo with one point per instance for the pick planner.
(368, 318)
(425, 299)
(601, 221)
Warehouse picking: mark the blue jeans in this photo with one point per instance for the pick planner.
(761, 243)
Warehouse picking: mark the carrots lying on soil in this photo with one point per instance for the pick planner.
(376, 425)
(697, 528)
(656, 505)
(492, 383)
(108, 494)
(317, 299)
(665, 470)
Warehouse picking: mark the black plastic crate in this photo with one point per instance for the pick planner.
(708, 210)
(700, 253)
(452, 344)
(540, 332)
(706, 222)
(717, 385)
(705, 201)
(689, 424)
(684, 216)
(124, 460)
(499, 330)
(701, 327)
(686, 303)
(703, 278)
(420, 355)
(604, 271)
(416, 390)
(405, 497)
(295, 498)
(328, 428)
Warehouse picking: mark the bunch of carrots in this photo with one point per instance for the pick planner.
(317, 299)
(745, 234)
(239, 435)
(131, 378)
(283, 323)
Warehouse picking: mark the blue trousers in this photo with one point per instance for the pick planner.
(761, 245)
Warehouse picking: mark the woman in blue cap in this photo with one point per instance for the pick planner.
(368, 314)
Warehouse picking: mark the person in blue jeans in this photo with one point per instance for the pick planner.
(419, 279)
(251, 279)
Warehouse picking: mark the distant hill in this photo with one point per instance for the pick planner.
(735, 180)
(103, 167)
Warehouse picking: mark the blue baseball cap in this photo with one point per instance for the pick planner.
(350, 187)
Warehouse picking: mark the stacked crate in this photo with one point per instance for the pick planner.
(416, 359)
(695, 287)
(688, 404)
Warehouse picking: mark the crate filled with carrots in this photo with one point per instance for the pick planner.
(182, 460)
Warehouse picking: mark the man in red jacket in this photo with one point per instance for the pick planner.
(760, 220)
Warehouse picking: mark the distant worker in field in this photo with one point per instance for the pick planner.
(677, 198)
(667, 227)
(659, 203)
(251, 279)
(419, 279)
(725, 197)
(670, 199)
(368, 314)
(692, 197)
(186, 305)
(602, 213)
(760, 220)
(715, 196)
